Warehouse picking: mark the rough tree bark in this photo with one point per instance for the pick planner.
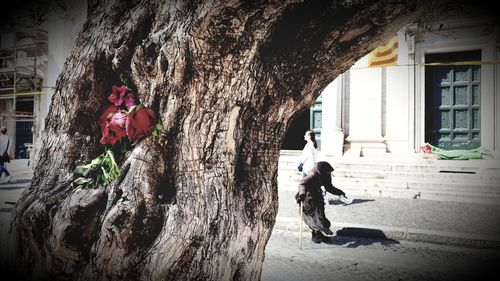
(226, 78)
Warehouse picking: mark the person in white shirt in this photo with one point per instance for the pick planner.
(309, 153)
(5, 152)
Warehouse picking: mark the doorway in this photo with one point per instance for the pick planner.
(24, 128)
(309, 119)
(294, 137)
(452, 100)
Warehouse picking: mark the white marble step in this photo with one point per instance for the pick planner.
(406, 176)
(488, 168)
(405, 183)
(360, 190)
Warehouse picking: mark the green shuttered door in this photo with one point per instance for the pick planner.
(453, 96)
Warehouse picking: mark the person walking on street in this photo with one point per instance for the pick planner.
(309, 158)
(313, 205)
(310, 153)
(5, 148)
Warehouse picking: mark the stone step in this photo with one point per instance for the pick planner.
(452, 196)
(374, 184)
(404, 176)
(417, 176)
(483, 166)
(446, 192)
(409, 175)
(417, 186)
(473, 187)
(454, 176)
(483, 169)
(435, 195)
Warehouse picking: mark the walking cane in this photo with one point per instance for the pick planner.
(300, 225)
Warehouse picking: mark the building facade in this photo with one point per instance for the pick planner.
(23, 61)
(31, 59)
(443, 89)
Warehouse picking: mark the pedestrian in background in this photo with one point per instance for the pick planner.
(5, 153)
(313, 205)
(310, 153)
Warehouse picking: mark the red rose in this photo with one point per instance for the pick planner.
(115, 128)
(140, 122)
(106, 116)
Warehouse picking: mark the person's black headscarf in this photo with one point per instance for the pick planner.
(324, 169)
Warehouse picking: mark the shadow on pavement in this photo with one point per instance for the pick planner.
(6, 210)
(15, 181)
(354, 201)
(355, 236)
(10, 187)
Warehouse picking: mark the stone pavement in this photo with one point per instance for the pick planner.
(21, 173)
(453, 223)
(364, 259)
(10, 192)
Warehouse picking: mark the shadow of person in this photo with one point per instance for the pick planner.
(354, 237)
(354, 201)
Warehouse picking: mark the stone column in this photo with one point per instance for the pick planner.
(365, 118)
(332, 135)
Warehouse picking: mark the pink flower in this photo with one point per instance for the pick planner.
(129, 100)
(426, 148)
(140, 122)
(106, 116)
(115, 128)
(117, 95)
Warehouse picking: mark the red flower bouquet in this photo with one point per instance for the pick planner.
(124, 118)
(119, 121)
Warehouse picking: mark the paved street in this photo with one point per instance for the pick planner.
(389, 257)
(348, 258)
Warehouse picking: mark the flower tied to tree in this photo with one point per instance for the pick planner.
(123, 120)
(120, 95)
(140, 122)
(114, 129)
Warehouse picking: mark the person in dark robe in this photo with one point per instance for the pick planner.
(311, 195)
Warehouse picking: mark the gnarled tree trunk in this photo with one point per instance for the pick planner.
(226, 78)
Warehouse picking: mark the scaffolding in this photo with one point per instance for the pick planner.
(23, 61)
(20, 70)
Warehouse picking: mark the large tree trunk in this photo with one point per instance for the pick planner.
(226, 79)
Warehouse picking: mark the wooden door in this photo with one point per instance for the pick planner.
(453, 94)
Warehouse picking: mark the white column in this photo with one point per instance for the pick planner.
(365, 119)
(397, 101)
(488, 130)
(331, 133)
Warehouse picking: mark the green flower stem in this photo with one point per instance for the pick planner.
(101, 171)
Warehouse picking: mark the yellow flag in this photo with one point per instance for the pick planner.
(385, 55)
